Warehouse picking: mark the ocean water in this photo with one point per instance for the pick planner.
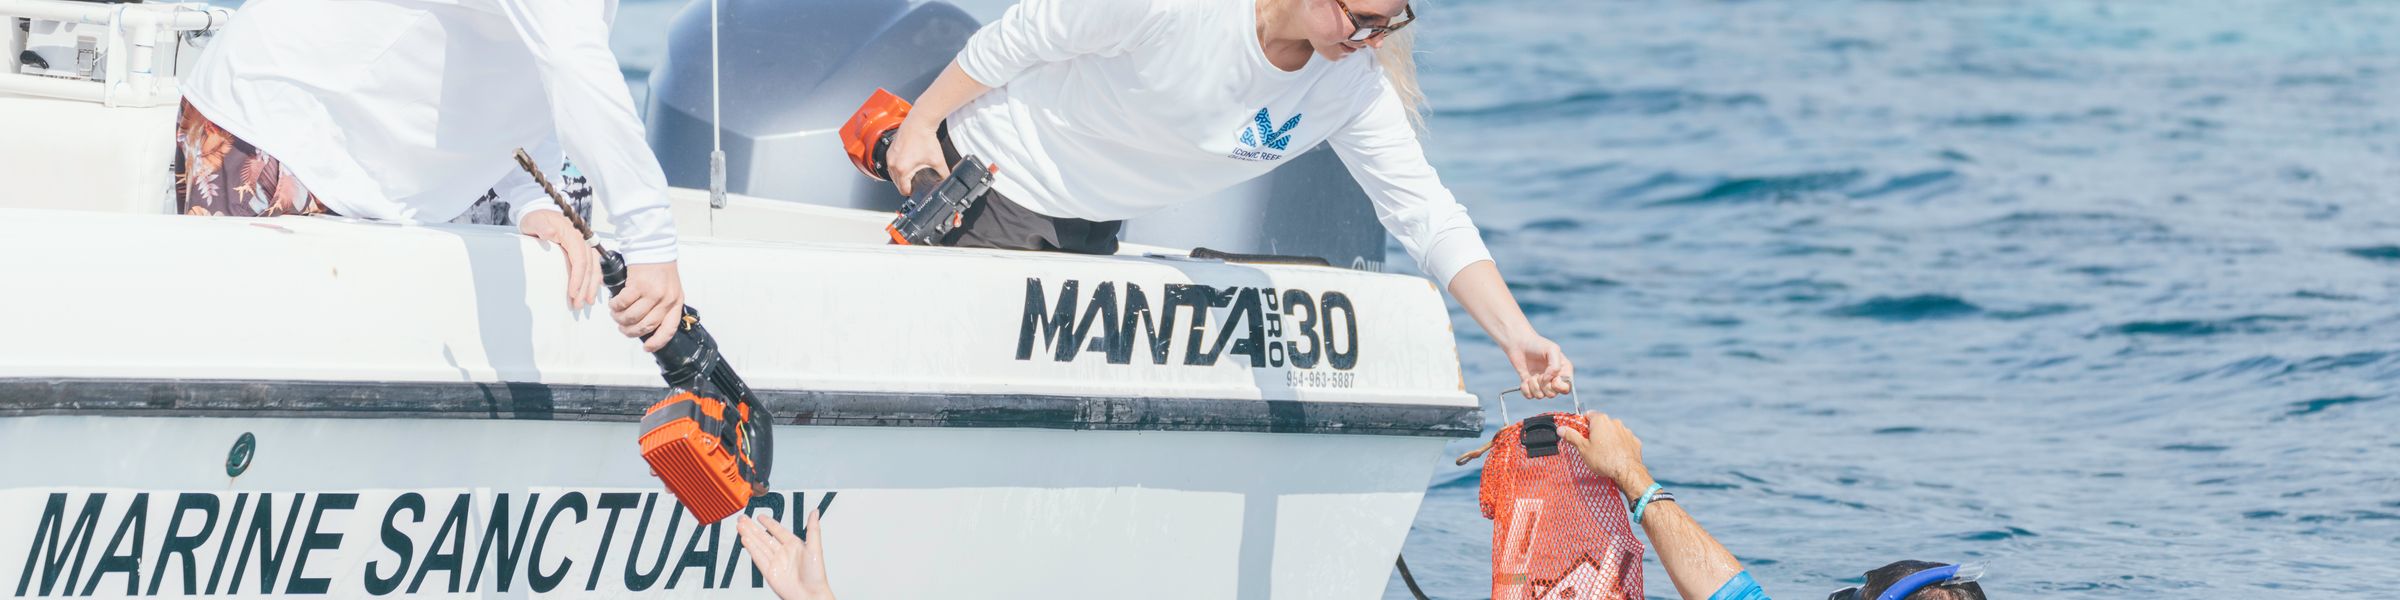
(2105, 294)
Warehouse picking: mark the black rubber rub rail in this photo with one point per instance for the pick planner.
(542, 402)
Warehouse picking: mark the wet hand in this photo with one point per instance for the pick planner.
(1611, 451)
(1543, 370)
(583, 261)
(915, 147)
(651, 307)
(794, 568)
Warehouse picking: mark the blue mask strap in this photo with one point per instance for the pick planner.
(1918, 580)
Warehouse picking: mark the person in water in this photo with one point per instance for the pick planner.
(411, 110)
(1702, 569)
(1096, 111)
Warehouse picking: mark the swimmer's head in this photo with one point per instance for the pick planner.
(1883, 578)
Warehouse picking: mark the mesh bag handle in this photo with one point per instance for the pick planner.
(1574, 393)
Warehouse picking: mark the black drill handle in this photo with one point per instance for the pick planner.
(691, 353)
(879, 167)
(923, 183)
(691, 361)
(612, 270)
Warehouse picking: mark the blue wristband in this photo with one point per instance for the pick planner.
(1647, 495)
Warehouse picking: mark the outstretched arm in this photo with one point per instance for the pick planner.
(1543, 370)
(1380, 148)
(595, 123)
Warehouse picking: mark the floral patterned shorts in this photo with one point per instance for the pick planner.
(217, 174)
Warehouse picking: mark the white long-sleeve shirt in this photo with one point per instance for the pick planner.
(1111, 109)
(411, 109)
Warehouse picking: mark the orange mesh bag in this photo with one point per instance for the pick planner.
(1559, 531)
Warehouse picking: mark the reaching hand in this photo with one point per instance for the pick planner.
(1611, 451)
(651, 307)
(915, 147)
(795, 569)
(1543, 370)
(583, 262)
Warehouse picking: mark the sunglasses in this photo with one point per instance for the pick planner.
(1366, 28)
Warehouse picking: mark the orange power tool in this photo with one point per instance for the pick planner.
(935, 206)
(711, 440)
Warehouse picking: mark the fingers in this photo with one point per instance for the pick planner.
(579, 274)
(635, 291)
(1574, 437)
(765, 552)
(1533, 369)
(665, 319)
(782, 534)
(1535, 385)
(591, 275)
(632, 308)
(915, 149)
(1561, 374)
(1601, 424)
(812, 558)
(908, 184)
(1525, 380)
(583, 266)
(816, 533)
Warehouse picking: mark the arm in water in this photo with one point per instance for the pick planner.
(793, 567)
(1700, 567)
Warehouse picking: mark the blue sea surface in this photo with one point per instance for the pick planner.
(2105, 294)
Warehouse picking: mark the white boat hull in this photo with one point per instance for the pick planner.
(1243, 431)
(917, 512)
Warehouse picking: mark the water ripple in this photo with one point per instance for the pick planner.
(2204, 327)
(1909, 308)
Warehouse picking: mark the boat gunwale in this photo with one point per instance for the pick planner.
(238, 398)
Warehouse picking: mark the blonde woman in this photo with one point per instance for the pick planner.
(1102, 110)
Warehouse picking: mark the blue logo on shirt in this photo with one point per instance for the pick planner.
(1266, 134)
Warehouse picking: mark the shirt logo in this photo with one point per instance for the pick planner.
(1261, 135)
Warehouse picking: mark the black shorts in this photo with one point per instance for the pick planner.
(997, 222)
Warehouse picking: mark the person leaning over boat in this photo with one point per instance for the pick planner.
(411, 110)
(1700, 567)
(1096, 111)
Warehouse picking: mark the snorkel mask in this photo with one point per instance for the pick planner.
(1942, 575)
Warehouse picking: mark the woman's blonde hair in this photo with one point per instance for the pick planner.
(1400, 67)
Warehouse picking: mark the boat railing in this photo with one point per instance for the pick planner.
(136, 50)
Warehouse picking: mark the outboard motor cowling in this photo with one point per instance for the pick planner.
(796, 69)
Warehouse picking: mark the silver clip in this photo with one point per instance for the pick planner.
(1574, 393)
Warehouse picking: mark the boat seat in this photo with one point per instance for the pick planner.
(92, 157)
